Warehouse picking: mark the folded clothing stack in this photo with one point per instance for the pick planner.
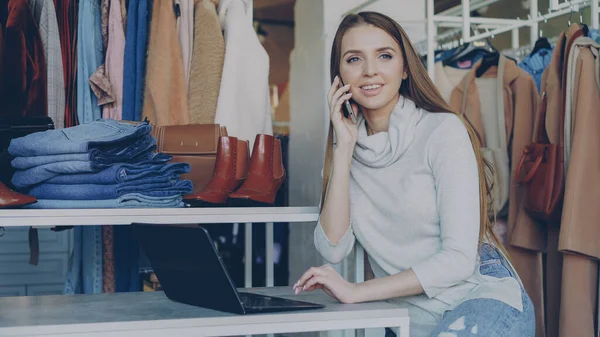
(104, 164)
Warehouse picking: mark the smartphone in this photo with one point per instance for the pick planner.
(347, 107)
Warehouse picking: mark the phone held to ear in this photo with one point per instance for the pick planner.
(347, 107)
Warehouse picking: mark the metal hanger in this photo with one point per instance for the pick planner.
(570, 14)
(584, 27)
(581, 8)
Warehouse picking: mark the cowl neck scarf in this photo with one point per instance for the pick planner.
(385, 148)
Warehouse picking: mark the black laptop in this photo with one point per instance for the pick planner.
(190, 270)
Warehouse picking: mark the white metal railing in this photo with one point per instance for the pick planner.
(91, 217)
(468, 23)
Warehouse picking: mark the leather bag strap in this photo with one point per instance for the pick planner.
(531, 173)
(541, 135)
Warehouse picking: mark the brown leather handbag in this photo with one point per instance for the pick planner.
(541, 171)
(195, 144)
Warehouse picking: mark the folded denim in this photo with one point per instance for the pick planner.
(128, 148)
(159, 186)
(100, 156)
(102, 133)
(133, 200)
(25, 178)
(121, 173)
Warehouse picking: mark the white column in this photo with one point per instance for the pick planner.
(594, 20)
(308, 122)
(515, 38)
(269, 263)
(404, 331)
(431, 33)
(359, 274)
(466, 15)
(534, 30)
(359, 267)
(248, 255)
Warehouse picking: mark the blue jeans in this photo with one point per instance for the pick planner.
(487, 317)
(154, 186)
(89, 57)
(133, 200)
(85, 263)
(104, 134)
(123, 149)
(39, 174)
(135, 59)
(121, 173)
(112, 155)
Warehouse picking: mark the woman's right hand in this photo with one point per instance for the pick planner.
(346, 130)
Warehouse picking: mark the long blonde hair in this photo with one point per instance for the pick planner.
(420, 89)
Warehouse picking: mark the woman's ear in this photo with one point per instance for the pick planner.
(404, 75)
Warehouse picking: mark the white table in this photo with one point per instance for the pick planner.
(153, 314)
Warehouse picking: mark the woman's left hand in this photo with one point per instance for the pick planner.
(328, 279)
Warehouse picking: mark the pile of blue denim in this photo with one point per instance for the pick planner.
(103, 164)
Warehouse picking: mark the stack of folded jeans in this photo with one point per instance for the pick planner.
(104, 164)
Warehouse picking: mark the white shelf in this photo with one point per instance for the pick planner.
(120, 216)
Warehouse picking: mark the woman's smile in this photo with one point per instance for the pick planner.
(371, 90)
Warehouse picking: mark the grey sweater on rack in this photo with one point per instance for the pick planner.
(414, 203)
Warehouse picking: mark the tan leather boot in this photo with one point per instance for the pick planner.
(231, 168)
(12, 199)
(265, 176)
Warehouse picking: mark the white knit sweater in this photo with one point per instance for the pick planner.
(414, 203)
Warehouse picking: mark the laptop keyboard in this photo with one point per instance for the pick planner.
(252, 300)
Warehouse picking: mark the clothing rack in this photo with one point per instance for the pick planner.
(46, 218)
(526, 49)
(498, 26)
(475, 5)
(469, 24)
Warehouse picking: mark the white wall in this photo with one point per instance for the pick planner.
(409, 13)
(307, 127)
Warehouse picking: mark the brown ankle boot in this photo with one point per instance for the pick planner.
(11, 199)
(231, 168)
(265, 176)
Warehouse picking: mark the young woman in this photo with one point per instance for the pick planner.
(408, 183)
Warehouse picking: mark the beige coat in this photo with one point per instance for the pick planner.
(544, 237)
(571, 279)
(185, 28)
(520, 103)
(207, 63)
(165, 99)
(579, 231)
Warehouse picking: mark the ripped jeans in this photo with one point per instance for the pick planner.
(487, 317)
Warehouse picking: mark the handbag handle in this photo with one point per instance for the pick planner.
(531, 173)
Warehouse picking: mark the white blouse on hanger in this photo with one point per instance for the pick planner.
(244, 105)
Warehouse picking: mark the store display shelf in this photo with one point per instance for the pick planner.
(55, 217)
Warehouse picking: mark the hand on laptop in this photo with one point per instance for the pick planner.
(328, 279)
